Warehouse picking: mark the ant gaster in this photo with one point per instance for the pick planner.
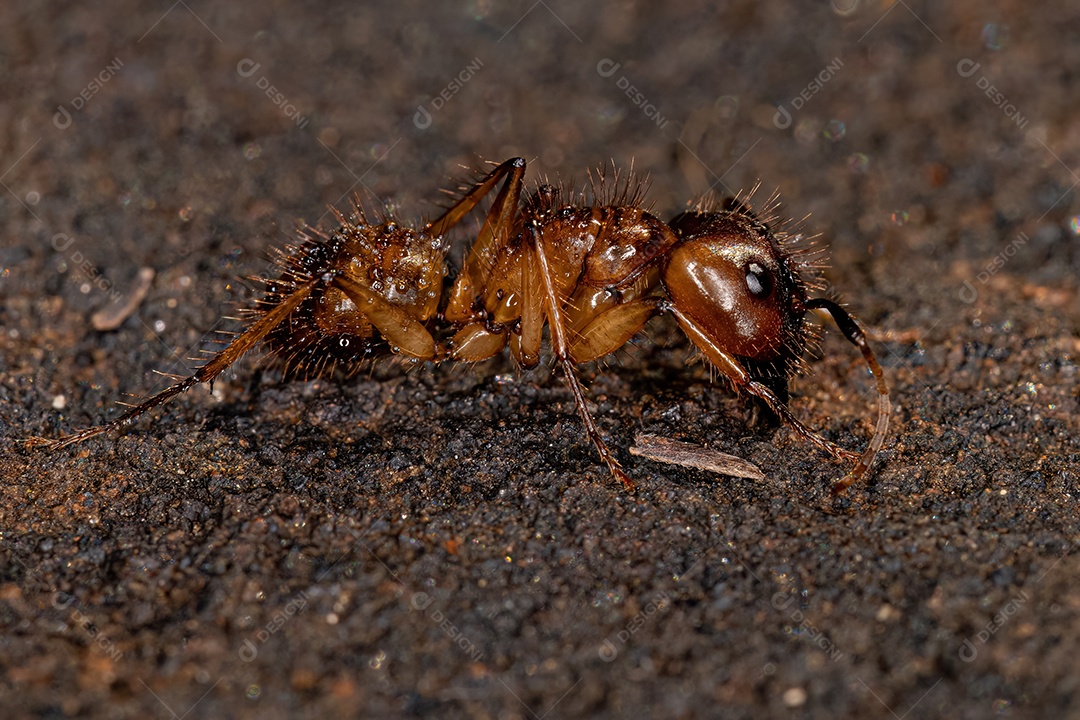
(594, 274)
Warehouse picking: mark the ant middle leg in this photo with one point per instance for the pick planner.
(536, 261)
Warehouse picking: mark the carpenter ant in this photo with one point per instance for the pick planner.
(594, 273)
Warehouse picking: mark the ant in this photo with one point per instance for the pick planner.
(593, 273)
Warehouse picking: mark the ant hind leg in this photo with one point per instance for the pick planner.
(244, 342)
(401, 329)
(498, 229)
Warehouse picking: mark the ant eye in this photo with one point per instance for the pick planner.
(758, 280)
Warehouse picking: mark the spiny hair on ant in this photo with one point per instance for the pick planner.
(591, 266)
(329, 330)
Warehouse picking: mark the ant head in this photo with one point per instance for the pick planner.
(729, 274)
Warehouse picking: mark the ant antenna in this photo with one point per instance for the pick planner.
(855, 335)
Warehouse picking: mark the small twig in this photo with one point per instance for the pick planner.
(113, 316)
(674, 452)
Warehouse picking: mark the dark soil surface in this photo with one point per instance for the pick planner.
(443, 541)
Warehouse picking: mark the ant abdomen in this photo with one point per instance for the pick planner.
(377, 287)
(327, 330)
(342, 298)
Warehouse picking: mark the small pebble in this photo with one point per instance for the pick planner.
(795, 697)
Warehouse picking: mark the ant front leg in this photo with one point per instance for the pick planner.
(741, 379)
(612, 329)
(538, 268)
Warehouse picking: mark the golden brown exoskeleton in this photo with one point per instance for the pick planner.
(595, 274)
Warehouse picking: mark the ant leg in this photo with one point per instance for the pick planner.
(535, 256)
(454, 215)
(611, 329)
(741, 379)
(496, 232)
(403, 331)
(217, 364)
(851, 330)
(525, 346)
(474, 343)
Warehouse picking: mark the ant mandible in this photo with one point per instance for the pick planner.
(595, 274)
